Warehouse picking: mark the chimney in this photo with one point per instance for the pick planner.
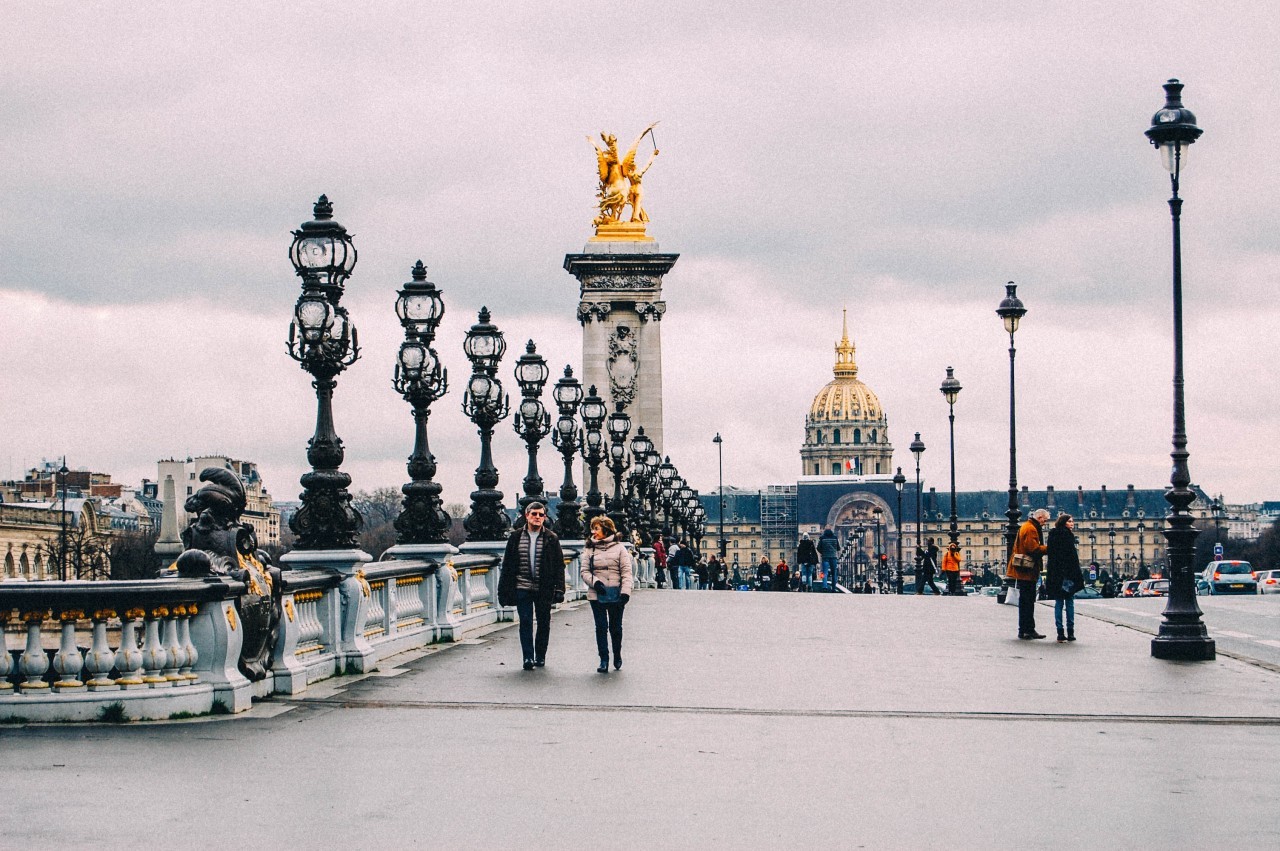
(1129, 500)
(1080, 500)
(1104, 501)
(1049, 503)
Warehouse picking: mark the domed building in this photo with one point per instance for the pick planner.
(846, 431)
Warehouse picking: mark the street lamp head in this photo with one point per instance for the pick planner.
(313, 315)
(666, 470)
(1173, 129)
(899, 481)
(1011, 310)
(531, 372)
(717, 438)
(950, 387)
(619, 423)
(641, 446)
(322, 253)
(917, 447)
(567, 392)
(419, 305)
(412, 359)
(484, 344)
(593, 410)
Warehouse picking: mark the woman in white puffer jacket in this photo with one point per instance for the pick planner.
(606, 570)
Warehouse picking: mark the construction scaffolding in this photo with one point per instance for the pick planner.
(778, 525)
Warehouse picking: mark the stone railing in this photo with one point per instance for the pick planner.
(165, 647)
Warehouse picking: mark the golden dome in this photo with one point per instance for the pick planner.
(845, 397)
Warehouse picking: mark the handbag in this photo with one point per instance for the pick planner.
(1022, 561)
(1013, 596)
(1068, 587)
(611, 593)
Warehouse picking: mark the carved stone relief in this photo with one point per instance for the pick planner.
(623, 365)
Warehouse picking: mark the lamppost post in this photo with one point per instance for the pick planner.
(1142, 544)
(485, 403)
(324, 341)
(917, 449)
(899, 481)
(619, 427)
(1182, 633)
(1111, 539)
(532, 422)
(421, 379)
(567, 438)
(878, 550)
(62, 534)
(593, 450)
(1093, 549)
(950, 390)
(1011, 311)
(719, 442)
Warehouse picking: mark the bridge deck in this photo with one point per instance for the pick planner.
(739, 720)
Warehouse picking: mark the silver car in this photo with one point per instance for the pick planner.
(1269, 582)
(1229, 577)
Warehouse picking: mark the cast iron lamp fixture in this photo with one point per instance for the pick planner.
(485, 403)
(637, 481)
(593, 450)
(917, 449)
(532, 422)
(1142, 544)
(567, 438)
(421, 379)
(619, 426)
(877, 550)
(950, 390)
(323, 340)
(719, 442)
(899, 481)
(1011, 310)
(1182, 633)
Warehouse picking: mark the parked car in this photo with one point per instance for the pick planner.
(1088, 592)
(1130, 588)
(1230, 577)
(1153, 588)
(1268, 582)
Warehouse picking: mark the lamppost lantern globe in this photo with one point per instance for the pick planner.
(484, 344)
(593, 410)
(1173, 129)
(567, 392)
(917, 447)
(640, 446)
(313, 316)
(899, 480)
(951, 386)
(593, 439)
(419, 305)
(531, 371)
(322, 252)
(666, 470)
(1011, 309)
(619, 423)
(412, 359)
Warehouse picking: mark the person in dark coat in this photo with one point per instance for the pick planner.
(532, 580)
(1025, 571)
(1063, 576)
(782, 576)
(764, 573)
(807, 558)
(829, 552)
(928, 569)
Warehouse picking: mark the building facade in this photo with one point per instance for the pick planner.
(184, 479)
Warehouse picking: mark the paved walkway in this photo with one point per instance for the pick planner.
(738, 721)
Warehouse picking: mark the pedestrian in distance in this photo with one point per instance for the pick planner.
(606, 571)
(1024, 569)
(782, 576)
(951, 570)
(807, 558)
(928, 569)
(683, 560)
(764, 574)
(829, 552)
(532, 580)
(660, 562)
(703, 574)
(1063, 575)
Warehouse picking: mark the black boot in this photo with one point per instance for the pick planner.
(1062, 637)
(604, 665)
(1071, 633)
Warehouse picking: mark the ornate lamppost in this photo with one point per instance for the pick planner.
(858, 532)
(1011, 310)
(638, 481)
(486, 405)
(719, 442)
(532, 422)
(1111, 537)
(323, 340)
(1182, 633)
(421, 379)
(1142, 545)
(899, 481)
(917, 449)
(1093, 549)
(619, 427)
(878, 550)
(593, 450)
(666, 486)
(567, 438)
(950, 390)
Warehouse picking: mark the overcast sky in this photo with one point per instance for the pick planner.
(901, 164)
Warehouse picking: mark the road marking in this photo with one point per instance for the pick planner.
(1230, 634)
(1270, 642)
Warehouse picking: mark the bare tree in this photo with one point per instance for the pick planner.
(85, 556)
(133, 555)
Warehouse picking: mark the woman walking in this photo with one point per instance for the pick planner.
(606, 571)
(1064, 577)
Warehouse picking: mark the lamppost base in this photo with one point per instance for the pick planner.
(1184, 649)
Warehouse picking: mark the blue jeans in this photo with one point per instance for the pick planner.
(1070, 605)
(527, 605)
(829, 569)
(686, 577)
(806, 576)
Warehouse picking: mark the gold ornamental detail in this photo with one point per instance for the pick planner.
(621, 186)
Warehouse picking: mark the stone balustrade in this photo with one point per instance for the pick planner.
(167, 647)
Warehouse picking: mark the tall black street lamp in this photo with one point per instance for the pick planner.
(877, 550)
(917, 449)
(1011, 310)
(1111, 538)
(950, 390)
(642, 468)
(567, 438)
(1093, 550)
(1142, 546)
(858, 561)
(1215, 508)
(666, 487)
(899, 481)
(486, 405)
(719, 442)
(323, 340)
(532, 422)
(62, 534)
(1182, 633)
(619, 427)
(593, 450)
(421, 379)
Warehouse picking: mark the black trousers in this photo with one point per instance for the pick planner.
(608, 626)
(527, 605)
(953, 582)
(1026, 606)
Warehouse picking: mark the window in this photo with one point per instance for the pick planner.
(817, 471)
(835, 436)
(873, 435)
(835, 468)
(857, 435)
(819, 437)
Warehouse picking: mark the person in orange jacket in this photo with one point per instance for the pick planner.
(951, 570)
(1028, 543)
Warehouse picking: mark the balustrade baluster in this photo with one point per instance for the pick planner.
(188, 646)
(154, 657)
(101, 658)
(6, 662)
(67, 661)
(129, 656)
(33, 663)
(175, 655)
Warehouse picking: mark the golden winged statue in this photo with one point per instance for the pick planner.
(621, 183)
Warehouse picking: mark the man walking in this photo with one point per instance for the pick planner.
(829, 551)
(1024, 568)
(532, 580)
(807, 558)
